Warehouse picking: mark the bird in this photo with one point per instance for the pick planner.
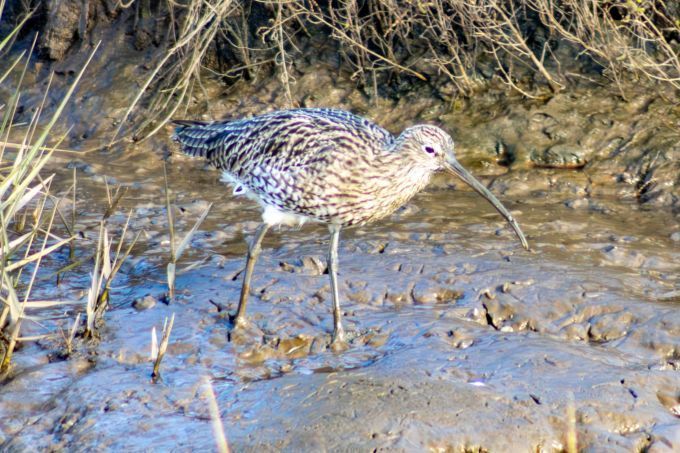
(326, 166)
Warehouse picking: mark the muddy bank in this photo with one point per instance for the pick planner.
(460, 340)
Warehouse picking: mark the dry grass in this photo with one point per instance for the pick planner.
(631, 37)
(453, 37)
(216, 419)
(159, 350)
(520, 42)
(177, 249)
(177, 74)
(26, 219)
(28, 215)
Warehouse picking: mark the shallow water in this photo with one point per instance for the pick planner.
(460, 338)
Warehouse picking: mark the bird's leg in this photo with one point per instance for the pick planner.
(338, 331)
(254, 249)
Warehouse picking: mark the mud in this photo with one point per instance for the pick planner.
(460, 340)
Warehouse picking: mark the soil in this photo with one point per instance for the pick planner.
(460, 339)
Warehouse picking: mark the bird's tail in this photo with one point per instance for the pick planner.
(195, 138)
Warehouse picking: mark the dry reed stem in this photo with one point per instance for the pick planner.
(162, 348)
(572, 441)
(68, 340)
(170, 271)
(176, 250)
(154, 344)
(215, 417)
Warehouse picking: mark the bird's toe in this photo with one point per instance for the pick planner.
(339, 345)
(338, 342)
(237, 321)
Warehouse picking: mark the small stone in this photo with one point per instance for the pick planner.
(426, 293)
(675, 236)
(619, 256)
(579, 203)
(308, 265)
(314, 265)
(559, 156)
(576, 332)
(377, 340)
(460, 340)
(610, 326)
(297, 347)
(144, 303)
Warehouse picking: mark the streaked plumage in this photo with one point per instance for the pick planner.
(318, 163)
(323, 165)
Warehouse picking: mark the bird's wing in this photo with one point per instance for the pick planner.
(281, 139)
(206, 139)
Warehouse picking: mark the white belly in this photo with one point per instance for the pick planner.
(274, 216)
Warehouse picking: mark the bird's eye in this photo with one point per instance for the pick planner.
(429, 150)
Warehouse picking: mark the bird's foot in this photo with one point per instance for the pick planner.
(241, 330)
(338, 343)
(237, 321)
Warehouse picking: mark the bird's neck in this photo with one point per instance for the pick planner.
(409, 175)
(402, 176)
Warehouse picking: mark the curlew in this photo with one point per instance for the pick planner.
(323, 165)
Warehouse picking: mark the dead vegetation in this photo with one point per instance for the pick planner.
(457, 38)
(177, 248)
(30, 229)
(27, 210)
(158, 350)
(536, 47)
(30, 236)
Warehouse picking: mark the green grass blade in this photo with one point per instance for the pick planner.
(14, 31)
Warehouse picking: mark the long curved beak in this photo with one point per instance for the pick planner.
(454, 167)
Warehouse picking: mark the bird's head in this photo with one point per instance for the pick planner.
(433, 148)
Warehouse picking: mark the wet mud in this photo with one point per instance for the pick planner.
(459, 339)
